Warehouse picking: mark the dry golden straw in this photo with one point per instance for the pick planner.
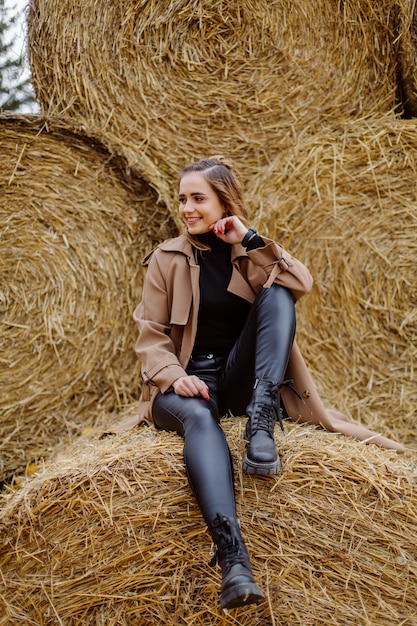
(73, 228)
(345, 203)
(110, 535)
(178, 80)
(302, 97)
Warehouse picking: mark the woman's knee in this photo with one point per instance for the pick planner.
(279, 295)
(277, 301)
(184, 415)
(202, 420)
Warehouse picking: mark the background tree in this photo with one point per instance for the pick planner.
(16, 92)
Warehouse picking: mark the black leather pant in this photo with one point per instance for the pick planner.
(261, 351)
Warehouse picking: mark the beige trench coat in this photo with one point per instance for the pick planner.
(167, 320)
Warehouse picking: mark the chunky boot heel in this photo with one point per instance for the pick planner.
(260, 467)
(238, 586)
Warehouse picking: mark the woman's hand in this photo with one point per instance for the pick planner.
(229, 229)
(190, 386)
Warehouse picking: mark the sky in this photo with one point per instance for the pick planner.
(17, 37)
(18, 33)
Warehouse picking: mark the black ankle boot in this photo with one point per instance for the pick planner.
(263, 411)
(238, 586)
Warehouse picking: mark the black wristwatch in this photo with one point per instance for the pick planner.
(252, 232)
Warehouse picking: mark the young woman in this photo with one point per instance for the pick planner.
(216, 334)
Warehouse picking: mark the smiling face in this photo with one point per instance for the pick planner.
(199, 204)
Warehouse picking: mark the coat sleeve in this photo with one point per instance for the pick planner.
(281, 268)
(155, 347)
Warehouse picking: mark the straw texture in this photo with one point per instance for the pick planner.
(110, 534)
(179, 80)
(345, 203)
(73, 228)
(302, 96)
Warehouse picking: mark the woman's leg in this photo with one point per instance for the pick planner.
(210, 473)
(255, 371)
(206, 453)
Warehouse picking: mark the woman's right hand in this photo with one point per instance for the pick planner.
(190, 386)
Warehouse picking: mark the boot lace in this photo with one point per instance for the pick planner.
(228, 552)
(290, 384)
(267, 414)
(265, 417)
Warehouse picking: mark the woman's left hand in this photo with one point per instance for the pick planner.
(230, 229)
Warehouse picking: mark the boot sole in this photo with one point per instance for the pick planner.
(241, 595)
(263, 469)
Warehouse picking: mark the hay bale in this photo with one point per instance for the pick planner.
(73, 227)
(180, 80)
(110, 534)
(345, 203)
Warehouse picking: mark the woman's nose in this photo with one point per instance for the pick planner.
(187, 207)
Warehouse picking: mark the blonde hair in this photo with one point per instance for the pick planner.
(218, 171)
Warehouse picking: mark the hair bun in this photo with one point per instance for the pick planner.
(223, 160)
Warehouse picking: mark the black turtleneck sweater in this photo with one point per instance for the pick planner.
(221, 315)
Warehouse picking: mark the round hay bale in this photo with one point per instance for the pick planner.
(180, 80)
(73, 228)
(345, 203)
(110, 534)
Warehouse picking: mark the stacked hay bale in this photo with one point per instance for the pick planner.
(345, 201)
(110, 534)
(73, 228)
(257, 81)
(180, 80)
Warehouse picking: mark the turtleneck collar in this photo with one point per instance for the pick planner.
(210, 239)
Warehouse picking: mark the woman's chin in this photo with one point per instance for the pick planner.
(197, 231)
